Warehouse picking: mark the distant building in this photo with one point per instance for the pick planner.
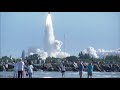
(23, 54)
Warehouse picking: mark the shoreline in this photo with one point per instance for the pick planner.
(68, 74)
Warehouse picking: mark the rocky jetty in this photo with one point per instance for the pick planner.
(98, 67)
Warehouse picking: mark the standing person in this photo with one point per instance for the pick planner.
(20, 65)
(15, 70)
(81, 69)
(30, 70)
(90, 70)
(63, 70)
(6, 66)
(4, 69)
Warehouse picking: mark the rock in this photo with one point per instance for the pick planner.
(69, 68)
(50, 69)
(105, 68)
(1, 68)
(10, 66)
(96, 68)
(75, 69)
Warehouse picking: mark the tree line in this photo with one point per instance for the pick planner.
(81, 56)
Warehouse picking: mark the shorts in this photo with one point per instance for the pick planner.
(90, 73)
(62, 71)
(30, 75)
(80, 72)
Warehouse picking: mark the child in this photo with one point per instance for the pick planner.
(15, 71)
(30, 70)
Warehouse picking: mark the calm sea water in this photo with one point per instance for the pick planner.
(40, 74)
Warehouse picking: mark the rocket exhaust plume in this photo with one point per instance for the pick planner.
(49, 34)
(52, 47)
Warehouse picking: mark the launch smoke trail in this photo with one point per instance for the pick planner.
(52, 47)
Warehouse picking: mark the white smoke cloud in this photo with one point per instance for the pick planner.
(62, 54)
(42, 54)
(101, 53)
(91, 51)
(52, 47)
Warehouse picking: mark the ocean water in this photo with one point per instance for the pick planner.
(46, 74)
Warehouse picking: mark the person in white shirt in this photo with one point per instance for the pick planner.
(30, 70)
(21, 66)
(15, 70)
(4, 69)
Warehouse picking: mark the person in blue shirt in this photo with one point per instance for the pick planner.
(81, 69)
(90, 70)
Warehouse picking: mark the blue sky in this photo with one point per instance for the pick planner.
(21, 30)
